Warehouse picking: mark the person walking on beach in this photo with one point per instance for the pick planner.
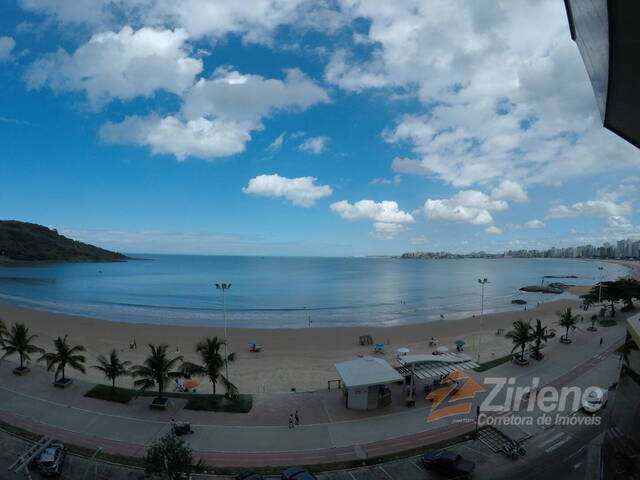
(601, 340)
(291, 420)
(297, 418)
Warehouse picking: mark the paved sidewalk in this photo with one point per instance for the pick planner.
(120, 432)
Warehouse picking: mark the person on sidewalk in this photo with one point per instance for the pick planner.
(291, 420)
(601, 340)
(297, 418)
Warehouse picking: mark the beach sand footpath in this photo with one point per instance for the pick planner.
(290, 358)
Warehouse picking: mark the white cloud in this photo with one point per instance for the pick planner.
(236, 96)
(510, 191)
(218, 115)
(301, 191)
(535, 224)
(618, 222)
(387, 231)
(122, 65)
(492, 114)
(276, 145)
(386, 211)
(200, 137)
(591, 208)
(388, 219)
(493, 230)
(397, 179)
(314, 145)
(466, 206)
(7, 44)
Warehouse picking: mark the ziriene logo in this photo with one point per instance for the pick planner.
(446, 400)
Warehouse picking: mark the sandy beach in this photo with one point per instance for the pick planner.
(291, 358)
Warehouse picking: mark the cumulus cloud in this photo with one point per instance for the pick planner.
(218, 115)
(535, 224)
(418, 240)
(200, 137)
(493, 230)
(491, 111)
(591, 208)
(314, 145)
(122, 65)
(388, 219)
(7, 44)
(510, 191)
(384, 212)
(236, 96)
(302, 191)
(466, 206)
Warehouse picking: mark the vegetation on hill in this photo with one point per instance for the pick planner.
(21, 241)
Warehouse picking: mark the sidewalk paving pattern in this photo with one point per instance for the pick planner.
(32, 404)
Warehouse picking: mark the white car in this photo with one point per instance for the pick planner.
(595, 400)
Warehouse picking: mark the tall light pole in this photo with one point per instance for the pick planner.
(224, 287)
(482, 282)
(600, 286)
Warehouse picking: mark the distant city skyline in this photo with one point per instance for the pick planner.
(330, 128)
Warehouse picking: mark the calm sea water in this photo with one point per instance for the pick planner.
(287, 291)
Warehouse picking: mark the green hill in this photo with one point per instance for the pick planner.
(21, 241)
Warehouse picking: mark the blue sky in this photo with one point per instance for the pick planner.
(274, 127)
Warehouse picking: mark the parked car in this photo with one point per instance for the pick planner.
(250, 474)
(447, 462)
(596, 399)
(297, 473)
(51, 460)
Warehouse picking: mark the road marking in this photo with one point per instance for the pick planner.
(556, 445)
(385, 472)
(549, 440)
(577, 465)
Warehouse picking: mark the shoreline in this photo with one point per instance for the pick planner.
(300, 358)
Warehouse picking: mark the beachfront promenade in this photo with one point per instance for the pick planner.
(328, 433)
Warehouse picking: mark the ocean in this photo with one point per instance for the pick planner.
(288, 292)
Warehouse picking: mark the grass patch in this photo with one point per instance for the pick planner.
(195, 401)
(492, 363)
(119, 395)
(608, 323)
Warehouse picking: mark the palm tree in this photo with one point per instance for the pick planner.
(567, 320)
(212, 364)
(64, 355)
(17, 340)
(156, 370)
(538, 336)
(521, 335)
(3, 329)
(112, 367)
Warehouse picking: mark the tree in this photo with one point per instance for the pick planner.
(213, 363)
(627, 289)
(156, 370)
(17, 340)
(3, 330)
(539, 335)
(520, 335)
(567, 320)
(171, 456)
(112, 368)
(64, 355)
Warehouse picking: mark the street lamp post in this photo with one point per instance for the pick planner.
(600, 286)
(482, 282)
(224, 287)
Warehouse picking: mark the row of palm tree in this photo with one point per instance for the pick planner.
(536, 335)
(157, 370)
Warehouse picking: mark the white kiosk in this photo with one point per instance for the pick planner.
(365, 382)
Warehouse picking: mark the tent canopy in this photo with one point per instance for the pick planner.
(367, 371)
